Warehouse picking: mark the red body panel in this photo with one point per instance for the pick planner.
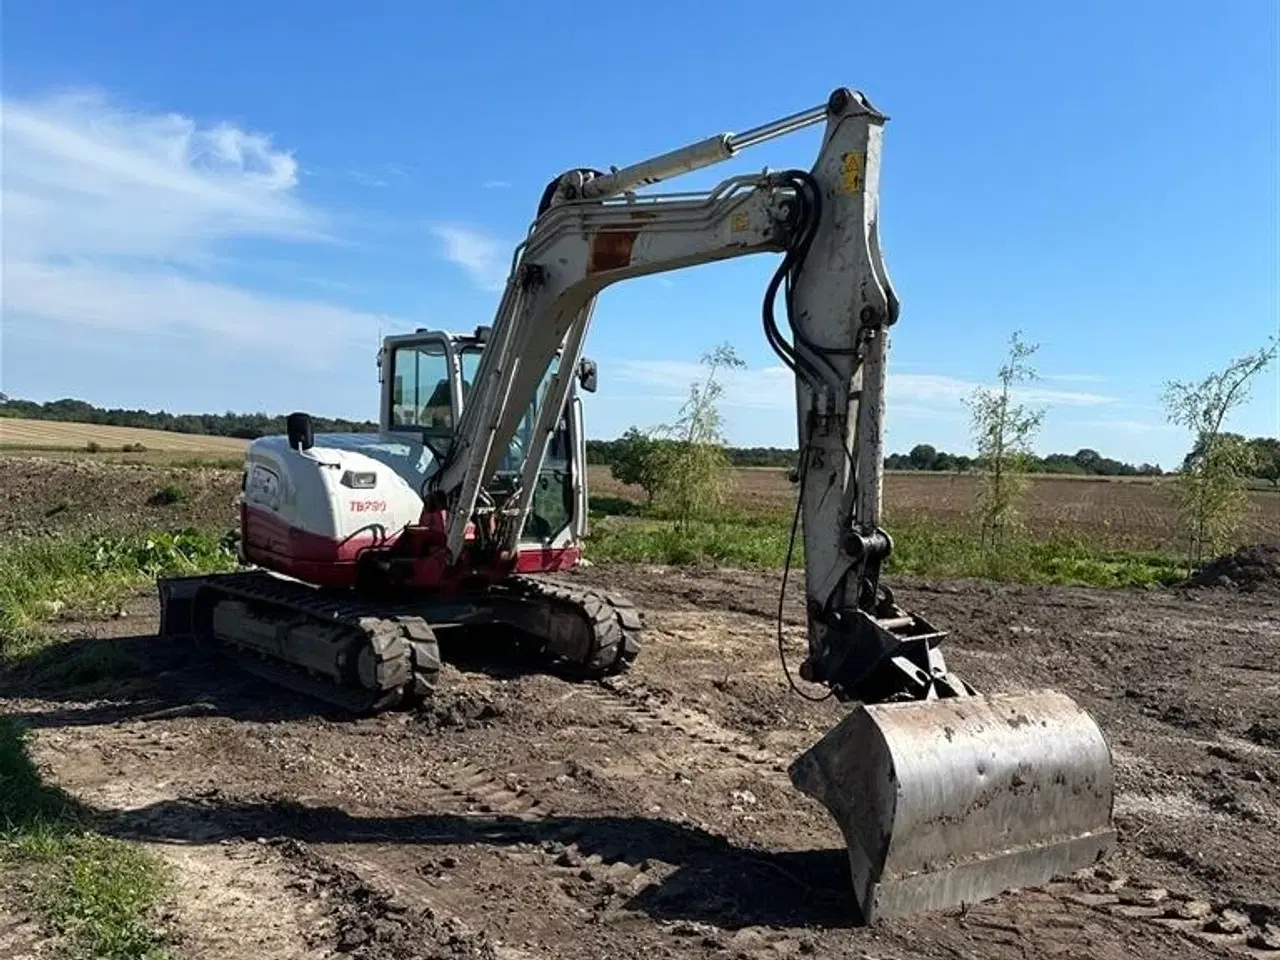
(270, 542)
(533, 559)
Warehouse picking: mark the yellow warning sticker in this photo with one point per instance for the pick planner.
(739, 223)
(851, 167)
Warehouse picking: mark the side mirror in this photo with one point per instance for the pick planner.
(298, 428)
(588, 375)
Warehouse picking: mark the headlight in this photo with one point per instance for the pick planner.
(359, 480)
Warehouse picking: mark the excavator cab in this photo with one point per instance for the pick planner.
(427, 377)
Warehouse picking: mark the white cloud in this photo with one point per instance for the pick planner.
(486, 260)
(770, 388)
(1074, 377)
(85, 178)
(113, 219)
(157, 301)
(496, 184)
(366, 179)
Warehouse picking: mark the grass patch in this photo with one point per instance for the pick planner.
(48, 577)
(922, 548)
(99, 894)
(739, 542)
(931, 549)
(603, 505)
(169, 495)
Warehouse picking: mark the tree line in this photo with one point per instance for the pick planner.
(1263, 452)
(605, 453)
(243, 426)
(925, 457)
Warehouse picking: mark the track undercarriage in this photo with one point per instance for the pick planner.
(364, 655)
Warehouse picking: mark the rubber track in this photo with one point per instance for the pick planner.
(404, 646)
(614, 621)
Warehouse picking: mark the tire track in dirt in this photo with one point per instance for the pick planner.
(387, 901)
(1251, 930)
(635, 702)
(588, 864)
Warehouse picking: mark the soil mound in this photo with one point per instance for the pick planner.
(1249, 569)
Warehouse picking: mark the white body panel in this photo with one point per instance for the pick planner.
(325, 491)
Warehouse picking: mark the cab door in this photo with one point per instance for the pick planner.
(421, 388)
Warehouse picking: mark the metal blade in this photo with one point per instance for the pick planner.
(944, 802)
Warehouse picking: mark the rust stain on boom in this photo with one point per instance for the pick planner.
(611, 250)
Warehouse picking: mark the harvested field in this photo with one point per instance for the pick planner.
(43, 495)
(526, 817)
(1121, 513)
(56, 435)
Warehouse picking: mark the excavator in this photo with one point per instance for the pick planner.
(363, 551)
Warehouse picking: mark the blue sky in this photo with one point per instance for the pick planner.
(222, 206)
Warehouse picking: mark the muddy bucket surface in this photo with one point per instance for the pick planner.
(951, 801)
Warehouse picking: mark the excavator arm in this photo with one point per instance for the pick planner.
(839, 304)
(943, 795)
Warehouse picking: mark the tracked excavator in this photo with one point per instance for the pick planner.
(364, 551)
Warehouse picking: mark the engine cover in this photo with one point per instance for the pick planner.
(310, 513)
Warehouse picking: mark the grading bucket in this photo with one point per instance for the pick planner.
(950, 801)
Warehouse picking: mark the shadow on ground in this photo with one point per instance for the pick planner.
(105, 680)
(714, 881)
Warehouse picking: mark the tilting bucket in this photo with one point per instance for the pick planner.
(951, 801)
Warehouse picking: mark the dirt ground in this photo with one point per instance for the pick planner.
(42, 495)
(527, 816)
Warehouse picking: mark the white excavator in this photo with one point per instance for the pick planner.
(364, 550)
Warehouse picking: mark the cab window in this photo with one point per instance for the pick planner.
(420, 389)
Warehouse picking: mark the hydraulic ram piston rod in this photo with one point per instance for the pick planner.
(695, 156)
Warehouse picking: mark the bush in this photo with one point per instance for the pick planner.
(634, 462)
(169, 495)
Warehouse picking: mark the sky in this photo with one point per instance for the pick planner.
(212, 207)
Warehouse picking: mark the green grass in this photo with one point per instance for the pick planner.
(932, 549)
(98, 894)
(922, 548)
(48, 577)
(169, 495)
